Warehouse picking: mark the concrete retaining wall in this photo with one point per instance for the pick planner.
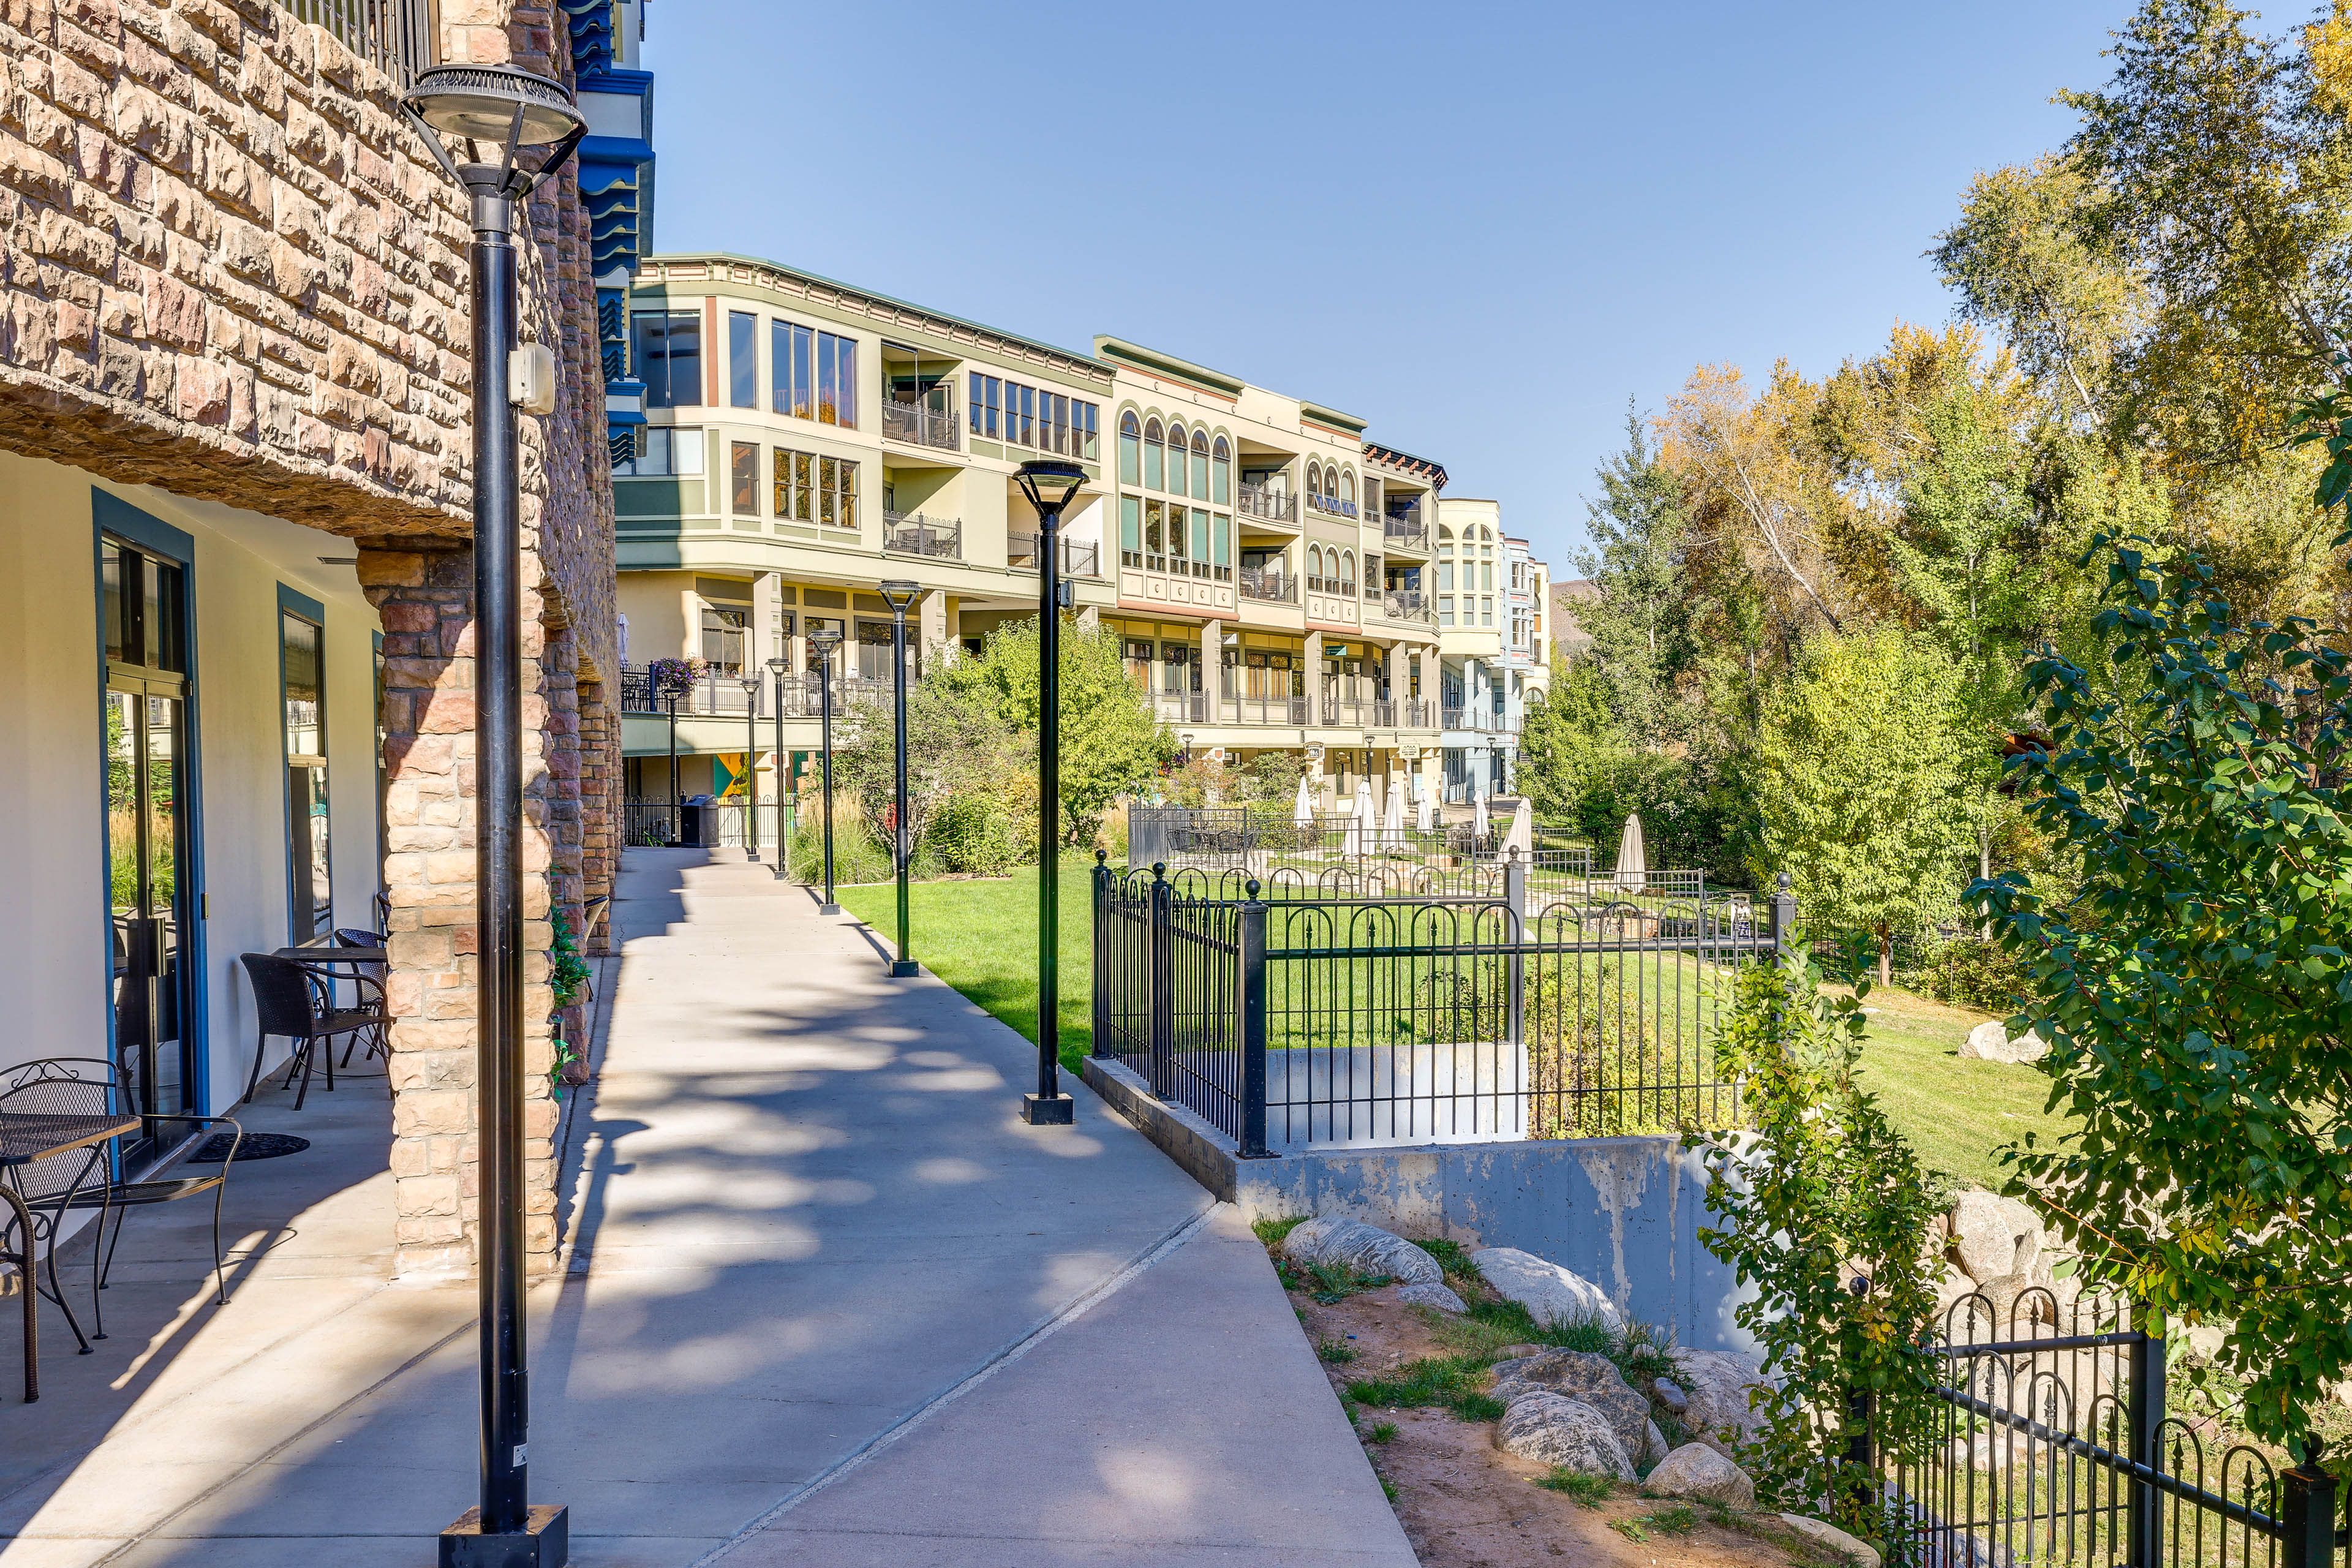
(1624, 1213)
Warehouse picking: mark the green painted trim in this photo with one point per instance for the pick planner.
(1119, 351)
(982, 447)
(1322, 415)
(127, 522)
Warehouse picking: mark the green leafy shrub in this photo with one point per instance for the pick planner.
(975, 834)
(1966, 973)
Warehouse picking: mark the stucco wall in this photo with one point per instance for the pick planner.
(53, 940)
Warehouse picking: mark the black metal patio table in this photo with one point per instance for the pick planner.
(328, 957)
(26, 1137)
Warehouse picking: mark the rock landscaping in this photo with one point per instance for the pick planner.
(1509, 1438)
(1990, 1042)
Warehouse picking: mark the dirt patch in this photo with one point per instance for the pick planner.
(1465, 1503)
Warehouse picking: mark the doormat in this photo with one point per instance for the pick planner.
(214, 1151)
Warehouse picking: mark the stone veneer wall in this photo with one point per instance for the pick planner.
(230, 269)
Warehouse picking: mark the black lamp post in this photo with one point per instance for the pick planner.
(780, 668)
(1049, 483)
(495, 112)
(751, 766)
(899, 595)
(822, 643)
(677, 817)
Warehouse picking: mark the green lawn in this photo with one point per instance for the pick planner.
(980, 937)
(1955, 1113)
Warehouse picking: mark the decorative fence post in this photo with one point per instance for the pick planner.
(1100, 1013)
(1862, 1482)
(1253, 988)
(2144, 1410)
(1163, 959)
(2309, 1514)
(1783, 916)
(1515, 895)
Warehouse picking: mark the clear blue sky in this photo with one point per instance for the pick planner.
(1481, 227)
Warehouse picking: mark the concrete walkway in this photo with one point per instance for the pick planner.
(828, 1301)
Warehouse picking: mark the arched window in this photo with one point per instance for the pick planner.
(1348, 490)
(1176, 459)
(1220, 487)
(1347, 571)
(1153, 454)
(1130, 449)
(1200, 465)
(1315, 566)
(1315, 480)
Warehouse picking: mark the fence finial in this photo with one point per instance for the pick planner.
(1249, 889)
(1160, 870)
(1101, 856)
(1786, 882)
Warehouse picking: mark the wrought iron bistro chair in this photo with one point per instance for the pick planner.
(84, 1178)
(294, 1004)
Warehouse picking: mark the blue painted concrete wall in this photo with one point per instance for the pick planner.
(1623, 1212)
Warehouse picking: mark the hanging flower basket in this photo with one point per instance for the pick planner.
(676, 677)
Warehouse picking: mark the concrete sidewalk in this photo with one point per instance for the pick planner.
(828, 1301)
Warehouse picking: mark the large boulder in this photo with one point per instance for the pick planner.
(1365, 1248)
(1550, 1294)
(1588, 1379)
(1822, 1532)
(1437, 1296)
(1553, 1429)
(1990, 1042)
(1717, 1384)
(1988, 1235)
(1697, 1472)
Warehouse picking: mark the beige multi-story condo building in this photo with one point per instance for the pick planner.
(1266, 568)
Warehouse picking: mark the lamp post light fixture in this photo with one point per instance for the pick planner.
(1049, 483)
(899, 595)
(494, 113)
(822, 643)
(752, 766)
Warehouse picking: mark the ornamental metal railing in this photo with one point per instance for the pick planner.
(1267, 505)
(1080, 557)
(396, 36)
(912, 533)
(919, 425)
(1407, 532)
(720, 695)
(1375, 989)
(1267, 587)
(1330, 506)
(1408, 605)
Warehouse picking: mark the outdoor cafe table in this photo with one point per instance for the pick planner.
(327, 957)
(26, 1137)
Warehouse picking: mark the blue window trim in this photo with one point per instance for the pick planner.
(110, 514)
(292, 602)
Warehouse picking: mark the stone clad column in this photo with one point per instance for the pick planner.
(425, 599)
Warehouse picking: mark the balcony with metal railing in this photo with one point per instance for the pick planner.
(1408, 532)
(1267, 587)
(1408, 605)
(1080, 557)
(1330, 506)
(1263, 505)
(919, 425)
(718, 694)
(912, 533)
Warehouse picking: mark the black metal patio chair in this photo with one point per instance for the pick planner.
(292, 1003)
(109, 1197)
(48, 1107)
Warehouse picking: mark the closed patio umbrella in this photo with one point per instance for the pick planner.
(1392, 819)
(1362, 821)
(1303, 813)
(1632, 864)
(1424, 809)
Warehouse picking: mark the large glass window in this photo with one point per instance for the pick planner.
(836, 492)
(791, 369)
(668, 351)
(743, 467)
(1155, 536)
(1154, 471)
(986, 390)
(1130, 451)
(302, 673)
(1222, 534)
(1130, 531)
(1082, 431)
(795, 476)
(1200, 465)
(836, 380)
(1176, 459)
(724, 633)
(743, 359)
(664, 451)
(1200, 542)
(1221, 475)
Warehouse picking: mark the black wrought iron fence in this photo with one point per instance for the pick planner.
(2053, 1446)
(1291, 1015)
